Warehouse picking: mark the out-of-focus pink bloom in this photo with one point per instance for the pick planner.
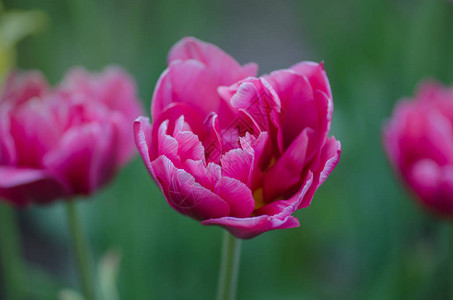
(65, 141)
(230, 149)
(419, 142)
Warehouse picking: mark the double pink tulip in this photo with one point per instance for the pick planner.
(65, 141)
(419, 142)
(232, 149)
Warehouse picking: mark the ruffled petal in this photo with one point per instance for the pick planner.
(189, 146)
(185, 195)
(208, 176)
(238, 196)
(247, 228)
(238, 164)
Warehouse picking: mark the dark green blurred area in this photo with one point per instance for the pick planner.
(362, 238)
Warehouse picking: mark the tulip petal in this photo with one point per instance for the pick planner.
(21, 87)
(288, 169)
(208, 176)
(185, 195)
(8, 155)
(142, 133)
(299, 108)
(86, 157)
(166, 144)
(274, 216)
(35, 131)
(225, 68)
(187, 82)
(171, 114)
(316, 75)
(322, 167)
(113, 87)
(213, 141)
(21, 186)
(238, 196)
(238, 164)
(247, 228)
(188, 144)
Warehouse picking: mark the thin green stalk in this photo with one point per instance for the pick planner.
(450, 263)
(11, 255)
(229, 267)
(80, 251)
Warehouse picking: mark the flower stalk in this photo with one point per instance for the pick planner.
(229, 267)
(80, 251)
(10, 255)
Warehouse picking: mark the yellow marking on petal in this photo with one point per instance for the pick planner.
(258, 193)
(259, 199)
(271, 163)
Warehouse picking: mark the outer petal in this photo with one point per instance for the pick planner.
(85, 157)
(21, 87)
(299, 109)
(426, 178)
(288, 169)
(418, 131)
(185, 195)
(316, 75)
(22, 186)
(115, 89)
(238, 196)
(322, 167)
(142, 133)
(224, 67)
(34, 131)
(247, 228)
(187, 82)
(171, 114)
(8, 155)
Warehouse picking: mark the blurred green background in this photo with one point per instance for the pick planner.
(362, 238)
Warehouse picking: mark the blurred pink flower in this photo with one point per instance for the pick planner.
(230, 149)
(65, 141)
(419, 142)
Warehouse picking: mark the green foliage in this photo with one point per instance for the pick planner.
(362, 238)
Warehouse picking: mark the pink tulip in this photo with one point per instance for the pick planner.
(230, 149)
(419, 142)
(65, 141)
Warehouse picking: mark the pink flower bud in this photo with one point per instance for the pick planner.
(65, 141)
(419, 142)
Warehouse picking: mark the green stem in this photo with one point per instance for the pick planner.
(10, 254)
(450, 262)
(229, 267)
(80, 251)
